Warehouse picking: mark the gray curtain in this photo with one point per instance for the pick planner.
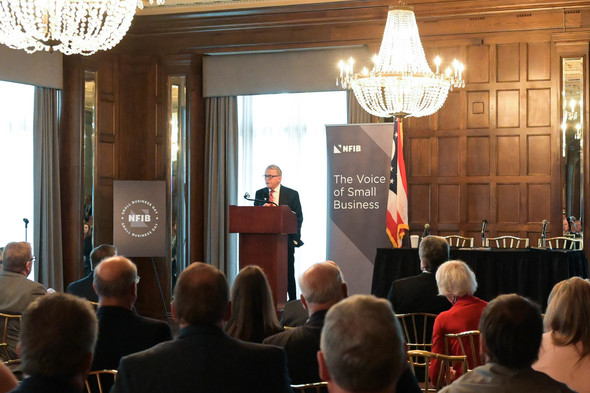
(356, 113)
(48, 240)
(221, 180)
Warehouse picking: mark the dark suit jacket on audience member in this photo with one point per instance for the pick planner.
(36, 384)
(83, 288)
(122, 332)
(204, 360)
(417, 294)
(294, 314)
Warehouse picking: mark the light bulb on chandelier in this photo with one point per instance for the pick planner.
(401, 83)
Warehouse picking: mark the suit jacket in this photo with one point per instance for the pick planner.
(288, 197)
(203, 360)
(464, 315)
(16, 293)
(36, 384)
(122, 332)
(83, 288)
(417, 294)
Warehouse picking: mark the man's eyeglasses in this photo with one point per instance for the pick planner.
(33, 259)
(270, 176)
(137, 279)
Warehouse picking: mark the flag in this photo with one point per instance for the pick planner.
(397, 200)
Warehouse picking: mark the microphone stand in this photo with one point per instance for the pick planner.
(26, 221)
(263, 201)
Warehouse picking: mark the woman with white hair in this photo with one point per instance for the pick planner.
(456, 281)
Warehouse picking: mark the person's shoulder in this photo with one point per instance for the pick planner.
(281, 338)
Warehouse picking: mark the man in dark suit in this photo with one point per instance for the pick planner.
(275, 193)
(420, 293)
(121, 330)
(56, 344)
(203, 359)
(83, 287)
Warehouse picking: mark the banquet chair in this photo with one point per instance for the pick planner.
(507, 242)
(471, 336)
(316, 387)
(7, 357)
(562, 243)
(459, 241)
(94, 382)
(417, 329)
(420, 363)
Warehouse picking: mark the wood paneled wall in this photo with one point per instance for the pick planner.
(491, 152)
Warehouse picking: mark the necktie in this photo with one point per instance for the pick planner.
(272, 195)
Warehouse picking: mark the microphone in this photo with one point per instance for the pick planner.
(544, 232)
(26, 221)
(263, 201)
(484, 225)
(426, 230)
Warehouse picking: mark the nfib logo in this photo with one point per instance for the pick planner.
(347, 149)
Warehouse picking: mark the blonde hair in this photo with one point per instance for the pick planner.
(568, 314)
(253, 310)
(456, 279)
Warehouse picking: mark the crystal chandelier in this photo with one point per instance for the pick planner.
(401, 83)
(69, 26)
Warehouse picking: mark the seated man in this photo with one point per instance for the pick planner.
(203, 358)
(57, 340)
(16, 291)
(83, 287)
(362, 347)
(121, 331)
(511, 331)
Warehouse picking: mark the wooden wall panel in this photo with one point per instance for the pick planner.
(539, 61)
(449, 115)
(448, 156)
(478, 156)
(449, 201)
(508, 62)
(419, 203)
(539, 107)
(538, 202)
(508, 201)
(508, 155)
(478, 64)
(419, 157)
(538, 153)
(478, 114)
(508, 112)
(478, 202)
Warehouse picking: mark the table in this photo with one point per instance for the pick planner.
(528, 272)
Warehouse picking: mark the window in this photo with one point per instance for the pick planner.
(16, 161)
(289, 130)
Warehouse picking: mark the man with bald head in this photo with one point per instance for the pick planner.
(121, 330)
(322, 286)
(203, 358)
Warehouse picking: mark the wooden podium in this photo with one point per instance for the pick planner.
(264, 233)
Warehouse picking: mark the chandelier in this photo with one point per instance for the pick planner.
(401, 83)
(69, 26)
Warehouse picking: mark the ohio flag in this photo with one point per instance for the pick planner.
(397, 201)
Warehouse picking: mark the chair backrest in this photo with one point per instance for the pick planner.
(94, 382)
(7, 354)
(316, 387)
(562, 243)
(417, 329)
(420, 360)
(507, 242)
(468, 343)
(459, 241)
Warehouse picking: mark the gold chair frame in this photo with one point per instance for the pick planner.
(561, 243)
(460, 241)
(4, 353)
(460, 337)
(95, 376)
(422, 359)
(507, 242)
(410, 323)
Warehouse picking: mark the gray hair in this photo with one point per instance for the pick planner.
(456, 279)
(116, 286)
(362, 344)
(276, 168)
(433, 252)
(58, 332)
(322, 283)
(16, 256)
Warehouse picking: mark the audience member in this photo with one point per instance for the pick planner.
(57, 340)
(322, 285)
(83, 287)
(203, 358)
(456, 281)
(16, 291)
(362, 348)
(7, 379)
(87, 247)
(121, 331)
(565, 349)
(420, 293)
(511, 330)
(253, 316)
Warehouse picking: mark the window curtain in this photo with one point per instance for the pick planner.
(221, 180)
(356, 113)
(48, 239)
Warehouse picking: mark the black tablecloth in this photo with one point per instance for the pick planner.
(528, 272)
